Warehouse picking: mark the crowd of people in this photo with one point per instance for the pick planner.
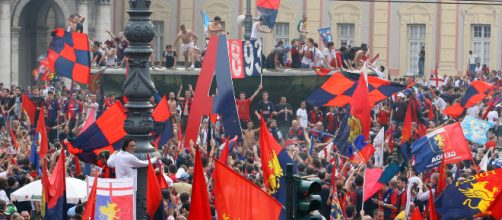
(304, 131)
(294, 127)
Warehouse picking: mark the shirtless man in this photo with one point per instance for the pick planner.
(171, 102)
(214, 27)
(360, 54)
(249, 136)
(188, 39)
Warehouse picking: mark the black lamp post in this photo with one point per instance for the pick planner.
(248, 21)
(138, 88)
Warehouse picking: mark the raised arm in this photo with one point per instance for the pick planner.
(256, 92)
(110, 33)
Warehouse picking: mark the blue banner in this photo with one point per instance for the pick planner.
(252, 57)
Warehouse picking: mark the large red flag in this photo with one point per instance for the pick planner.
(199, 204)
(44, 141)
(371, 184)
(90, 206)
(416, 214)
(407, 126)
(359, 106)
(441, 185)
(153, 194)
(253, 202)
(432, 208)
(162, 111)
(29, 108)
(269, 152)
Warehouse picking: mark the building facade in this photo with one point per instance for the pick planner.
(394, 30)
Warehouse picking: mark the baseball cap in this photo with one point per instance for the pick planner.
(184, 176)
(10, 209)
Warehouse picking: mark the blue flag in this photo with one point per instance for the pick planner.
(34, 158)
(205, 19)
(475, 129)
(390, 171)
(325, 35)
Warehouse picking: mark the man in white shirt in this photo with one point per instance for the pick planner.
(257, 29)
(472, 62)
(440, 103)
(329, 53)
(309, 54)
(493, 116)
(125, 162)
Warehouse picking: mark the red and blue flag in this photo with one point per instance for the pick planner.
(69, 55)
(105, 134)
(338, 90)
(56, 192)
(154, 204)
(274, 160)
(268, 10)
(361, 151)
(162, 119)
(473, 95)
(449, 141)
(478, 194)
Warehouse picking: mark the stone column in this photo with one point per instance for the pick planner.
(5, 50)
(83, 11)
(103, 21)
(14, 54)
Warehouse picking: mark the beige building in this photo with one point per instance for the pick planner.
(394, 30)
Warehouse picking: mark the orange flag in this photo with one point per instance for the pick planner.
(199, 204)
(416, 214)
(441, 185)
(406, 132)
(253, 202)
(44, 143)
(90, 207)
(360, 106)
(153, 194)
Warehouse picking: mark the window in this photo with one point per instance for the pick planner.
(281, 32)
(346, 34)
(103, 1)
(416, 39)
(158, 40)
(481, 34)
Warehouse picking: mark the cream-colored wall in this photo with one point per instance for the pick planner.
(415, 14)
(481, 15)
(455, 26)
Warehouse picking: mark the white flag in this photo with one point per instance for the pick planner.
(483, 165)
(378, 143)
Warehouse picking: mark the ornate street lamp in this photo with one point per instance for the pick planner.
(138, 88)
(248, 21)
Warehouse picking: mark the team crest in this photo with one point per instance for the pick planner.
(275, 176)
(479, 197)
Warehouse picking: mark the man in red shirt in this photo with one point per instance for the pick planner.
(72, 110)
(186, 104)
(383, 117)
(315, 115)
(243, 105)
